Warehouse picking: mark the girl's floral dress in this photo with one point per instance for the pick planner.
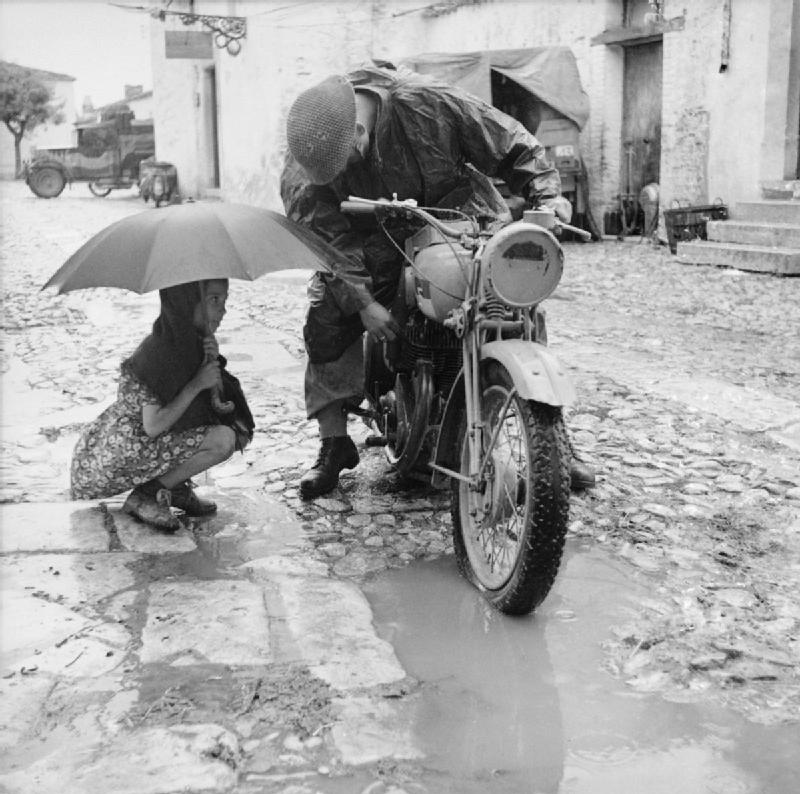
(114, 454)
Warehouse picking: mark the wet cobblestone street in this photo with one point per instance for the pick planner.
(688, 407)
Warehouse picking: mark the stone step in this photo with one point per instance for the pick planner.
(761, 259)
(781, 189)
(768, 211)
(782, 235)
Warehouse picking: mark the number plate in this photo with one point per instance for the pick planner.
(566, 150)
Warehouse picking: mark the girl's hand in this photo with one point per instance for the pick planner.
(210, 347)
(208, 376)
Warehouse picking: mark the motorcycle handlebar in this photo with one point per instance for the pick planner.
(359, 206)
(575, 230)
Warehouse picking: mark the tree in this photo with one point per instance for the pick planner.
(25, 103)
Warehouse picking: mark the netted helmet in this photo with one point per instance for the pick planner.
(320, 128)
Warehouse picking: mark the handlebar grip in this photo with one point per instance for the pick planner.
(357, 208)
(575, 230)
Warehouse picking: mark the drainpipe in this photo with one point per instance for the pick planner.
(725, 55)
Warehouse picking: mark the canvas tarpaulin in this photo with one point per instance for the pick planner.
(549, 73)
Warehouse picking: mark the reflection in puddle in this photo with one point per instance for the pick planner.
(524, 704)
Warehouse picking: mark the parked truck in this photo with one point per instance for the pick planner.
(107, 156)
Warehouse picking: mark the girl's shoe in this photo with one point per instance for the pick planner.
(184, 498)
(152, 509)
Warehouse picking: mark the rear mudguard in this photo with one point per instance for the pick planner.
(537, 375)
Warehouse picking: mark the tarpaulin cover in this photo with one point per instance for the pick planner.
(549, 73)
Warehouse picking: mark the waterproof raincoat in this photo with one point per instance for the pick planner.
(429, 141)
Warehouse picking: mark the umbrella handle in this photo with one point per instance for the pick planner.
(217, 403)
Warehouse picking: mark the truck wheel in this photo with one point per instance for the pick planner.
(47, 182)
(101, 191)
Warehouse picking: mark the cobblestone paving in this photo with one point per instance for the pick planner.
(696, 490)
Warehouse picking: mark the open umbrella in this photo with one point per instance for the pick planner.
(160, 248)
(192, 242)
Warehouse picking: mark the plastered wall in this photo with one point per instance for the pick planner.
(722, 132)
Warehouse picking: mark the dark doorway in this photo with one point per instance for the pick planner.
(211, 126)
(641, 118)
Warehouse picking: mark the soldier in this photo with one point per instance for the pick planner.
(373, 133)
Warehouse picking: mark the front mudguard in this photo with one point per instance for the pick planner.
(537, 375)
(36, 165)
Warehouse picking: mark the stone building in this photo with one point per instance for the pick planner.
(135, 99)
(700, 98)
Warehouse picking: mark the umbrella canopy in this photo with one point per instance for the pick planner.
(159, 248)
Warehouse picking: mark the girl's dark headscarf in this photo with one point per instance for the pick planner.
(171, 355)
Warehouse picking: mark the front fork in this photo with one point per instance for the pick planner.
(480, 453)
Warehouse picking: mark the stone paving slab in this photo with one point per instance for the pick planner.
(22, 699)
(218, 621)
(371, 729)
(185, 758)
(52, 526)
(144, 539)
(31, 626)
(41, 636)
(78, 581)
(331, 622)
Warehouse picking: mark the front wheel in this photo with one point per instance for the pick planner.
(509, 529)
(47, 182)
(101, 191)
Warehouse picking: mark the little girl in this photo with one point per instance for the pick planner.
(163, 428)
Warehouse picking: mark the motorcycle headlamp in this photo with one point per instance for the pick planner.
(522, 264)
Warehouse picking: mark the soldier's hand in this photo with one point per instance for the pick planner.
(561, 207)
(379, 322)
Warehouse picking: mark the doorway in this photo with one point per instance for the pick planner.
(211, 127)
(641, 126)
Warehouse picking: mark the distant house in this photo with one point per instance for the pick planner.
(137, 100)
(62, 87)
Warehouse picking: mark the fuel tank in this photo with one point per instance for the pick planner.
(440, 279)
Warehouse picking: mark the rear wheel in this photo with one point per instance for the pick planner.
(508, 534)
(47, 182)
(101, 191)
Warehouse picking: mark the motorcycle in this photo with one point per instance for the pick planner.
(469, 396)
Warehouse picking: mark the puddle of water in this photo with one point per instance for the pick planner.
(512, 704)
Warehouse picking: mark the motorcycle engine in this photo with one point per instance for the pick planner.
(423, 339)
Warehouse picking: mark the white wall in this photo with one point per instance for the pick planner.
(718, 129)
(287, 49)
(177, 110)
(724, 132)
